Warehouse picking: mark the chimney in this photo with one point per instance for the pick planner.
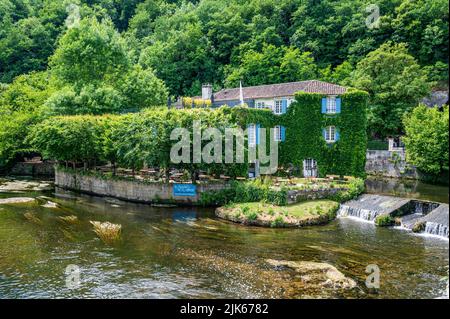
(206, 91)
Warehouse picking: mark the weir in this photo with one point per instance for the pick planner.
(434, 217)
(368, 207)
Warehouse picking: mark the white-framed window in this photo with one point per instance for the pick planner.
(252, 135)
(331, 105)
(277, 135)
(309, 168)
(261, 105)
(330, 134)
(278, 107)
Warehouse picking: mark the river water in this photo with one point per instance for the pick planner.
(188, 253)
(407, 188)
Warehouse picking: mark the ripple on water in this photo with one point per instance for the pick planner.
(175, 253)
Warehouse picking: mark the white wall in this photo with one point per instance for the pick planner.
(270, 103)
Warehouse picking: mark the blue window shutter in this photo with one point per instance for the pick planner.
(257, 134)
(283, 106)
(337, 135)
(283, 133)
(324, 105)
(324, 130)
(338, 105)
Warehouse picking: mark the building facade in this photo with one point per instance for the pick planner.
(319, 129)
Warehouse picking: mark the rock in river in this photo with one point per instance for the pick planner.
(314, 272)
(16, 200)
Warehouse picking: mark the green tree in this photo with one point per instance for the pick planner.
(26, 93)
(93, 53)
(24, 47)
(395, 82)
(272, 65)
(94, 74)
(75, 139)
(297, 66)
(20, 109)
(427, 138)
(181, 58)
(141, 88)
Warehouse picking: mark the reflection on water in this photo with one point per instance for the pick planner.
(407, 188)
(188, 253)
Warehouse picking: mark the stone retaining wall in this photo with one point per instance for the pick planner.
(33, 169)
(296, 196)
(389, 164)
(130, 190)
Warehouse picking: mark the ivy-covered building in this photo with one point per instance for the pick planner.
(321, 126)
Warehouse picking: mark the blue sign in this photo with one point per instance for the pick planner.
(184, 190)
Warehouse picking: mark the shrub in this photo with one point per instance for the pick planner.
(252, 216)
(245, 192)
(109, 233)
(384, 220)
(278, 222)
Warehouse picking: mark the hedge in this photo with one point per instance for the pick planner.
(133, 140)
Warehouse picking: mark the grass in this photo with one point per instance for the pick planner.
(308, 212)
(109, 233)
(303, 209)
(69, 219)
(32, 218)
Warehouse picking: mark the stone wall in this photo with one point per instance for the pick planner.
(389, 164)
(33, 169)
(135, 191)
(296, 196)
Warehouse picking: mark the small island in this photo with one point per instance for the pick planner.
(315, 212)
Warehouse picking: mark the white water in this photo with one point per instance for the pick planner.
(436, 229)
(365, 214)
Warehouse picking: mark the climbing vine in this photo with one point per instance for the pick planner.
(304, 123)
(133, 140)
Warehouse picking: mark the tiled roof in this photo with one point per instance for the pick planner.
(280, 90)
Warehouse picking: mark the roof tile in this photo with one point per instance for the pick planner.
(280, 90)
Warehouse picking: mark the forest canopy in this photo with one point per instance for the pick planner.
(75, 57)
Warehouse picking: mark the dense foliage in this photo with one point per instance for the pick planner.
(426, 138)
(396, 84)
(304, 123)
(136, 140)
(125, 56)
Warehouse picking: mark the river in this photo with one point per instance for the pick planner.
(188, 253)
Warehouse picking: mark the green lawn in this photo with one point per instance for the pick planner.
(299, 210)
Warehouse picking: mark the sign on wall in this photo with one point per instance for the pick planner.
(184, 190)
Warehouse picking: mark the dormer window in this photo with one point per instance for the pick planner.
(260, 105)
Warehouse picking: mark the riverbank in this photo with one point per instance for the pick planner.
(315, 212)
(187, 252)
(277, 191)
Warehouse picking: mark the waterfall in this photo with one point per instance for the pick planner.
(366, 214)
(436, 229)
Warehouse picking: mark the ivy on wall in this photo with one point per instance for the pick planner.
(134, 139)
(305, 122)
